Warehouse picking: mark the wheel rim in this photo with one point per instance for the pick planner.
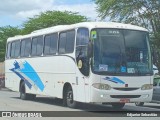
(70, 97)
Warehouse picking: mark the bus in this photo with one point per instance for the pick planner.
(88, 62)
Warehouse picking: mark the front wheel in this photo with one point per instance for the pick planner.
(139, 103)
(69, 98)
(118, 105)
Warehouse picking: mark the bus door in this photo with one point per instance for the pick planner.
(82, 61)
(82, 78)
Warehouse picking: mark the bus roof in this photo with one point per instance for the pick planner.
(89, 25)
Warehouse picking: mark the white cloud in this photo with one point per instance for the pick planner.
(23, 9)
(88, 10)
(27, 14)
(14, 6)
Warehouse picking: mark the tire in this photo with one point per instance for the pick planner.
(118, 105)
(69, 98)
(139, 103)
(24, 95)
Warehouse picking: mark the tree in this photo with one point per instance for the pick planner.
(5, 33)
(145, 13)
(51, 18)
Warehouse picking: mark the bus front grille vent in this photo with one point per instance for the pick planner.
(126, 89)
(125, 96)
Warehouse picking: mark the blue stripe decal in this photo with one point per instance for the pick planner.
(25, 70)
(27, 83)
(115, 80)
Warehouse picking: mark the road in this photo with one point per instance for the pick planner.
(9, 101)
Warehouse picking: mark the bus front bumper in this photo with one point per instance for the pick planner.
(139, 95)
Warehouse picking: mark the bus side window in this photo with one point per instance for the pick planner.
(66, 42)
(25, 47)
(70, 41)
(8, 50)
(13, 45)
(62, 43)
(81, 50)
(37, 46)
(15, 49)
(50, 44)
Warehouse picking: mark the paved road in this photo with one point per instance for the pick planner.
(9, 101)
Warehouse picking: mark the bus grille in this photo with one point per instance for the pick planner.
(125, 96)
(126, 89)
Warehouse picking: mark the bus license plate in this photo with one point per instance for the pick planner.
(124, 100)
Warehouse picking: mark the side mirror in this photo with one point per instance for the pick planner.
(90, 49)
(154, 84)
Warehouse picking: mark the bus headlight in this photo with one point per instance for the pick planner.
(147, 87)
(101, 86)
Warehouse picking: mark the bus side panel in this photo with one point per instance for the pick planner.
(65, 74)
(11, 80)
(46, 75)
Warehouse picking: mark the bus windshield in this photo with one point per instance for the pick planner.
(119, 51)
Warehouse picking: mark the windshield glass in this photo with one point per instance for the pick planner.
(121, 51)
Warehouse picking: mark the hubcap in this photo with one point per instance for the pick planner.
(70, 97)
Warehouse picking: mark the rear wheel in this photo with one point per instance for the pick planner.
(69, 98)
(118, 105)
(139, 103)
(24, 95)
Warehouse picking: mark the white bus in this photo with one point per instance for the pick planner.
(89, 62)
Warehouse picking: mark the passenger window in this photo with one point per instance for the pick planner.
(15, 49)
(66, 42)
(34, 46)
(25, 47)
(50, 42)
(70, 41)
(62, 43)
(22, 48)
(37, 46)
(8, 50)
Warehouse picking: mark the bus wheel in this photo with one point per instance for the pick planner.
(69, 98)
(24, 95)
(139, 103)
(118, 105)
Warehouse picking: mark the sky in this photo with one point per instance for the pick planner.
(16, 12)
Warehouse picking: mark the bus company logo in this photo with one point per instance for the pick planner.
(114, 79)
(26, 72)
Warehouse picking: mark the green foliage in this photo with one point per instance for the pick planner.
(52, 18)
(139, 12)
(5, 33)
(145, 13)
